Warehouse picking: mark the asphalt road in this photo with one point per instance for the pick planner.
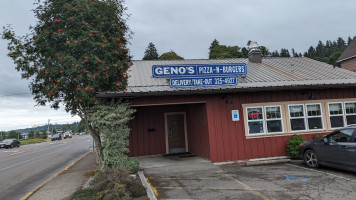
(23, 169)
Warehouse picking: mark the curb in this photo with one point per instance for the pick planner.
(48, 180)
(149, 190)
(265, 162)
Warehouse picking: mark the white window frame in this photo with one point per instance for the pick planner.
(304, 118)
(343, 114)
(321, 115)
(345, 111)
(263, 121)
(281, 119)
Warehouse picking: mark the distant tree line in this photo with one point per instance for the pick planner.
(327, 52)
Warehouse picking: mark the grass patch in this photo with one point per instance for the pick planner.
(33, 140)
(112, 184)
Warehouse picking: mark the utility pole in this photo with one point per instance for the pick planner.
(48, 126)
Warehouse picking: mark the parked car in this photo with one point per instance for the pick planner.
(67, 135)
(56, 137)
(337, 149)
(9, 143)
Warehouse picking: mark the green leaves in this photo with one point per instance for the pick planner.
(75, 44)
(110, 120)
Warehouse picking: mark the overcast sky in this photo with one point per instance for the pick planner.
(188, 27)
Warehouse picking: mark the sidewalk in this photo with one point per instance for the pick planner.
(68, 181)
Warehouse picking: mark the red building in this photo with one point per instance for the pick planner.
(278, 97)
(347, 59)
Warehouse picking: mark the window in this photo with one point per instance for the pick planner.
(336, 115)
(255, 120)
(350, 112)
(314, 115)
(342, 136)
(274, 119)
(267, 118)
(297, 117)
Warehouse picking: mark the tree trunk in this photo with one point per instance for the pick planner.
(97, 140)
(96, 137)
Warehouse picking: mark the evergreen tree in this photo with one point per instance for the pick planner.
(320, 50)
(275, 53)
(349, 40)
(284, 53)
(244, 51)
(151, 52)
(76, 49)
(265, 52)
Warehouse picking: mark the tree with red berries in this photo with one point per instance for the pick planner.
(77, 49)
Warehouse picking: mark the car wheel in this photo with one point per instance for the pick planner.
(311, 159)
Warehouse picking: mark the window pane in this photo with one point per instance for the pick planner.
(255, 127)
(342, 136)
(296, 111)
(315, 123)
(337, 121)
(297, 124)
(274, 126)
(350, 108)
(273, 112)
(313, 110)
(254, 113)
(335, 109)
(351, 119)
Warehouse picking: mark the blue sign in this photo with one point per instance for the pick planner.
(202, 81)
(159, 71)
(235, 115)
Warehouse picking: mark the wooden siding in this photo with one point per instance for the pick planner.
(142, 142)
(198, 136)
(226, 139)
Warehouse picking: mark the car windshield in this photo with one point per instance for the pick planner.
(7, 140)
(56, 135)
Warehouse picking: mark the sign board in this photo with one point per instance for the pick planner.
(235, 115)
(161, 71)
(183, 82)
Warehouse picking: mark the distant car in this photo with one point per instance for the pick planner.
(9, 143)
(56, 137)
(67, 135)
(337, 149)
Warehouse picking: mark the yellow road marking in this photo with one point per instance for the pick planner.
(248, 188)
(153, 188)
(199, 188)
(19, 152)
(44, 183)
(177, 178)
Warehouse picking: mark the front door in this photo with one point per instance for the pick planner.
(176, 133)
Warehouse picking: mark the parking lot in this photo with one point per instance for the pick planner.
(197, 178)
(296, 181)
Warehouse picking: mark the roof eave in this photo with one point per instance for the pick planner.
(221, 90)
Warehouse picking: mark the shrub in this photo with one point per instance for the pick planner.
(293, 146)
(84, 194)
(33, 140)
(133, 165)
(135, 189)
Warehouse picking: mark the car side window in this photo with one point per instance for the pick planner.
(342, 136)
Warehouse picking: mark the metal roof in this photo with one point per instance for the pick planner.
(271, 74)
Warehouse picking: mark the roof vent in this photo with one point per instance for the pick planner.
(254, 54)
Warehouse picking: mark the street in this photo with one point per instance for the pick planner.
(23, 169)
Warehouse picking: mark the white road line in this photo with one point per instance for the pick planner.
(30, 160)
(314, 170)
